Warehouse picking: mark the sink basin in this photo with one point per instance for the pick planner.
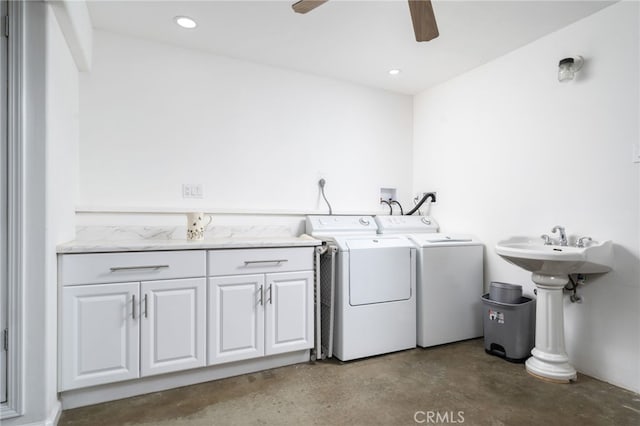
(532, 255)
(550, 267)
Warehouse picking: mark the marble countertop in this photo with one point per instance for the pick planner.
(214, 243)
(102, 239)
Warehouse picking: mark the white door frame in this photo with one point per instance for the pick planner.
(3, 206)
(16, 232)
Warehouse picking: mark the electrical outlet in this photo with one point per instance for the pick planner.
(192, 190)
(422, 194)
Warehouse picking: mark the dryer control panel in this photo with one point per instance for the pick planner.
(338, 225)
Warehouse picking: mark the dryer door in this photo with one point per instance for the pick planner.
(378, 272)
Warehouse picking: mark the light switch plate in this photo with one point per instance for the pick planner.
(192, 190)
(636, 152)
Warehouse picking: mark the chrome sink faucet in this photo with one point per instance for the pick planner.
(563, 235)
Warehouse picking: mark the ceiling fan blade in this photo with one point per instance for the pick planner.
(424, 21)
(304, 6)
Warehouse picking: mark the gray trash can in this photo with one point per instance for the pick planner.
(509, 328)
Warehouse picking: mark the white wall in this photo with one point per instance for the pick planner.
(511, 151)
(75, 22)
(62, 133)
(258, 138)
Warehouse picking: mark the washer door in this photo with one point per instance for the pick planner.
(378, 274)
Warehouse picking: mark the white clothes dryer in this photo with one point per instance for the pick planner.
(375, 295)
(450, 279)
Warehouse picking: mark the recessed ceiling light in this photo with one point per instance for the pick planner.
(185, 22)
(394, 72)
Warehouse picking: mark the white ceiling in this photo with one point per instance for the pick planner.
(353, 40)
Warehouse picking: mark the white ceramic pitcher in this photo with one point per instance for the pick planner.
(197, 222)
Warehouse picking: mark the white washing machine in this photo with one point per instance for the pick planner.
(375, 294)
(450, 279)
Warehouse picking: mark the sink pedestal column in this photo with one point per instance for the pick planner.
(549, 358)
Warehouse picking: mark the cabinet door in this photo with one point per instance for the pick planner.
(236, 318)
(172, 325)
(100, 332)
(289, 312)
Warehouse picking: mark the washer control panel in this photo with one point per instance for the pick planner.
(406, 224)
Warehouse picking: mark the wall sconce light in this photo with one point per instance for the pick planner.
(568, 67)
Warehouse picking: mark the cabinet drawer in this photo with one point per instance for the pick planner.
(139, 266)
(251, 261)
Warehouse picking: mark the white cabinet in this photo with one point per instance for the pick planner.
(288, 312)
(129, 315)
(123, 330)
(236, 318)
(256, 314)
(172, 326)
(100, 334)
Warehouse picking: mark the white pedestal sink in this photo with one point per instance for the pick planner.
(550, 266)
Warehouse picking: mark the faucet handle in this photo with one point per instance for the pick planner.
(546, 239)
(581, 241)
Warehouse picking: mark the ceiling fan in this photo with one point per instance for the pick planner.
(424, 21)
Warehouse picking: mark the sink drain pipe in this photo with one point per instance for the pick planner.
(574, 297)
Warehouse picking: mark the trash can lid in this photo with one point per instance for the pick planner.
(505, 285)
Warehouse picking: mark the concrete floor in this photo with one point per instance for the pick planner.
(457, 382)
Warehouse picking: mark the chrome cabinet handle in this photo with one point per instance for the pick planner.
(133, 306)
(128, 268)
(270, 294)
(250, 262)
(261, 293)
(145, 307)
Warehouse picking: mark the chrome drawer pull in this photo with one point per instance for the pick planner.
(133, 306)
(129, 268)
(250, 262)
(261, 295)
